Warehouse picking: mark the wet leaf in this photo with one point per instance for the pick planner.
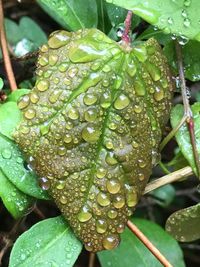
(15, 96)
(182, 136)
(180, 18)
(48, 243)
(104, 23)
(164, 195)
(16, 202)
(131, 250)
(97, 110)
(72, 14)
(184, 224)
(191, 58)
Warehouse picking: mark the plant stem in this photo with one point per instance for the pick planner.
(5, 53)
(169, 178)
(187, 110)
(148, 244)
(91, 259)
(126, 37)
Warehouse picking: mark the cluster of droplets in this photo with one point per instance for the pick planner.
(88, 129)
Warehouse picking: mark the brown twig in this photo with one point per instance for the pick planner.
(91, 259)
(5, 53)
(125, 36)
(169, 178)
(187, 109)
(148, 244)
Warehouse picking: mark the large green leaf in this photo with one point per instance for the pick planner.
(92, 125)
(72, 14)
(49, 243)
(180, 17)
(182, 136)
(191, 59)
(16, 202)
(184, 224)
(131, 252)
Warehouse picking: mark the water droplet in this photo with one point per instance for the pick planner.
(140, 52)
(103, 199)
(110, 242)
(6, 153)
(73, 114)
(90, 115)
(44, 183)
(170, 21)
(63, 200)
(72, 72)
(62, 151)
(88, 246)
(53, 59)
(184, 13)
(159, 94)
(187, 3)
(67, 138)
(59, 38)
(30, 114)
(106, 68)
(131, 69)
(131, 197)
(101, 172)
(84, 215)
(121, 102)
(139, 88)
(90, 133)
(119, 202)
(62, 68)
(110, 158)
(186, 22)
(24, 102)
(101, 226)
(109, 145)
(42, 85)
(34, 98)
(54, 96)
(154, 71)
(112, 214)
(113, 186)
(106, 100)
(89, 99)
(43, 60)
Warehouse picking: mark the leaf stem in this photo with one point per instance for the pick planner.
(148, 244)
(125, 36)
(5, 53)
(91, 259)
(169, 178)
(187, 110)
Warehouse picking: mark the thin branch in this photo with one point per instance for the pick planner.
(5, 53)
(148, 244)
(125, 36)
(169, 178)
(91, 259)
(187, 109)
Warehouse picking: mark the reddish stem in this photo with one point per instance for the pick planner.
(126, 37)
(148, 244)
(4, 48)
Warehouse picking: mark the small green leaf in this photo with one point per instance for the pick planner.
(32, 31)
(103, 20)
(72, 14)
(15, 96)
(10, 116)
(46, 244)
(182, 136)
(1, 83)
(13, 32)
(159, 35)
(16, 202)
(176, 17)
(191, 59)
(164, 195)
(131, 250)
(184, 224)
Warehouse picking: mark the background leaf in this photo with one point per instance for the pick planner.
(164, 195)
(131, 250)
(16, 202)
(177, 17)
(182, 136)
(72, 14)
(184, 224)
(48, 243)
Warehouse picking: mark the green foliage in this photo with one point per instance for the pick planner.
(72, 14)
(184, 224)
(48, 243)
(175, 17)
(182, 136)
(164, 195)
(132, 251)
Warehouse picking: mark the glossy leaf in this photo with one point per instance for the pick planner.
(15, 96)
(72, 14)
(182, 136)
(16, 202)
(104, 23)
(97, 110)
(13, 32)
(164, 195)
(48, 243)
(191, 58)
(131, 252)
(184, 224)
(179, 17)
